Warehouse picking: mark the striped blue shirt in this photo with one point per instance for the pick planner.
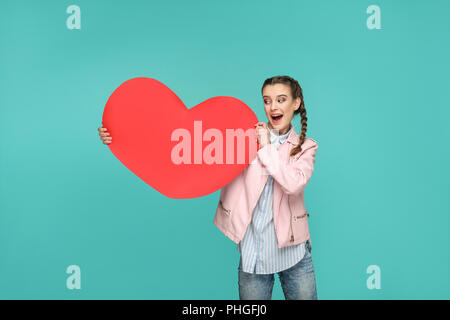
(259, 247)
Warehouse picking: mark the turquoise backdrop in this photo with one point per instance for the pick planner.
(377, 102)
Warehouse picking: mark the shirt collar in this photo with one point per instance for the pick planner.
(281, 138)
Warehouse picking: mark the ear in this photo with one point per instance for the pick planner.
(299, 101)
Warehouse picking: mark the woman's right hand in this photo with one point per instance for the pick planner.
(104, 135)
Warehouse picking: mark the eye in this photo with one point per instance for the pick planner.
(279, 100)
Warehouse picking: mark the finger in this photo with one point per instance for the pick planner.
(262, 125)
(261, 129)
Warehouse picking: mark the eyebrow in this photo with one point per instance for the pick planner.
(277, 95)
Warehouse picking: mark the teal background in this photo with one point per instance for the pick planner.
(377, 102)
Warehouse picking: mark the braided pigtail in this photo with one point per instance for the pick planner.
(303, 121)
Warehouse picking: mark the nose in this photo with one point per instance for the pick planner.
(273, 107)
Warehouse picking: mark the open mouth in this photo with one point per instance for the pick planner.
(277, 118)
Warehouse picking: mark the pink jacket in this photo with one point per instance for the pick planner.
(291, 175)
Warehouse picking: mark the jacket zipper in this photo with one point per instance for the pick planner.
(292, 230)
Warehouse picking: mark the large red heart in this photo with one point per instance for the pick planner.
(142, 115)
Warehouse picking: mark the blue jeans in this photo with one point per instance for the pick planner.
(297, 282)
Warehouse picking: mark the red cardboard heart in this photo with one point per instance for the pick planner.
(179, 152)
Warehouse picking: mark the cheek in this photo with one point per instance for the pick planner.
(288, 115)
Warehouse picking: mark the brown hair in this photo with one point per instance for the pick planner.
(296, 92)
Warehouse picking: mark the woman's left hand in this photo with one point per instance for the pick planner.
(262, 134)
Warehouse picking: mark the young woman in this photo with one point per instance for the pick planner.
(263, 209)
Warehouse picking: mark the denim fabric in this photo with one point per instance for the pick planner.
(297, 282)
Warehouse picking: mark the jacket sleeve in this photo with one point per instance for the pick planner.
(292, 176)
